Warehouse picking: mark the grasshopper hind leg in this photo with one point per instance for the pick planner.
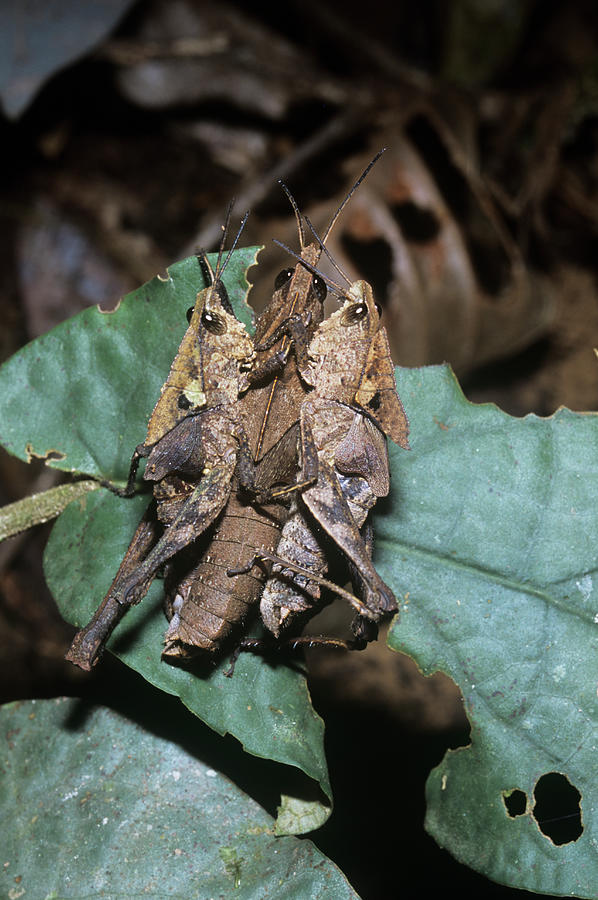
(364, 628)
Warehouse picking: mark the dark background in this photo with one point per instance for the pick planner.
(126, 134)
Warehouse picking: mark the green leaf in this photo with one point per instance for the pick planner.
(266, 707)
(490, 541)
(81, 395)
(89, 387)
(94, 805)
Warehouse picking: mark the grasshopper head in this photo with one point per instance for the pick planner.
(340, 346)
(221, 350)
(208, 370)
(351, 362)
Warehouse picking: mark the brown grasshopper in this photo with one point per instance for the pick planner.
(192, 444)
(203, 604)
(342, 426)
(197, 437)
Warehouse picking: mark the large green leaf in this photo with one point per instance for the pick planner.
(490, 540)
(84, 392)
(94, 805)
(266, 707)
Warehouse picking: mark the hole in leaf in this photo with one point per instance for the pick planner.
(54, 455)
(372, 259)
(515, 802)
(48, 456)
(557, 809)
(417, 223)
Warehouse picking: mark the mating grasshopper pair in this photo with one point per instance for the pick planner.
(255, 452)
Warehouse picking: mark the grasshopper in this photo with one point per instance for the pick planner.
(192, 443)
(343, 421)
(203, 447)
(203, 604)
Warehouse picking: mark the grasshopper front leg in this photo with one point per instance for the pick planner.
(296, 330)
(140, 452)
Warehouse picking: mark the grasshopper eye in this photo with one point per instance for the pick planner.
(213, 323)
(189, 313)
(378, 310)
(320, 289)
(282, 278)
(354, 314)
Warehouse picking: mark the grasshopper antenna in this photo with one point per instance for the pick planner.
(209, 273)
(235, 242)
(327, 252)
(335, 288)
(212, 276)
(293, 203)
(351, 192)
(223, 241)
(204, 264)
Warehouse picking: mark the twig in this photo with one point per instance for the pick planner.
(423, 84)
(39, 508)
(258, 188)
(369, 47)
